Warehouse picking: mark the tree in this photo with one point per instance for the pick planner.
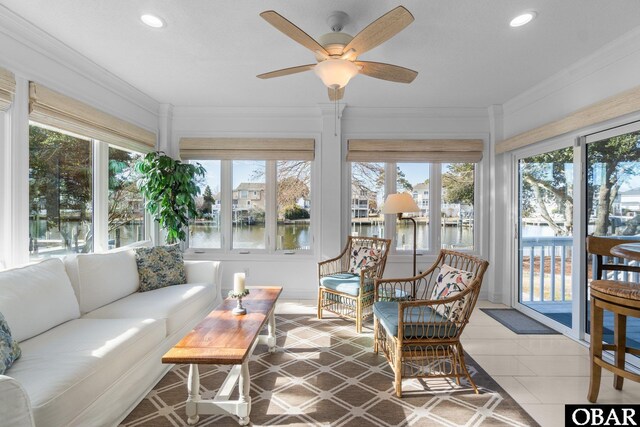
(547, 185)
(123, 191)
(546, 190)
(207, 202)
(60, 184)
(458, 183)
(612, 162)
(402, 183)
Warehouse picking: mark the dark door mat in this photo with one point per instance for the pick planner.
(519, 323)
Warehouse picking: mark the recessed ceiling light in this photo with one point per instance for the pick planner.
(523, 19)
(152, 21)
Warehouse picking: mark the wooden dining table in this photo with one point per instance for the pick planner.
(627, 250)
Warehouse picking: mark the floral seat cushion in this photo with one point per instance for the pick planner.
(449, 283)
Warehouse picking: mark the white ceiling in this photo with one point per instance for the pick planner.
(210, 51)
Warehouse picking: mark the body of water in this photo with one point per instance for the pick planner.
(297, 236)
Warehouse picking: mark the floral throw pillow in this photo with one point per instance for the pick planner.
(160, 266)
(9, 349)
(450, 282)
(363, 257)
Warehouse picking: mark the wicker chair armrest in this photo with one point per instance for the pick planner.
(392, 289)
(330, 266)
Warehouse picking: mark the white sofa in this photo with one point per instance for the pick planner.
(91, 344)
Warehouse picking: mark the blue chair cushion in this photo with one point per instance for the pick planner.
(347, 283)
(432, 324)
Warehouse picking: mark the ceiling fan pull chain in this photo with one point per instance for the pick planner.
(335, 117)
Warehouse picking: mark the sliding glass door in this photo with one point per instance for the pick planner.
(545, 235)
(612, 191)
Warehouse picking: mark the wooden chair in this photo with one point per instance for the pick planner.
(346, 281)
(623, 299)
(419, 332)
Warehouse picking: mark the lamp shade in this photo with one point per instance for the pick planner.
(336, 73)
(399, 203)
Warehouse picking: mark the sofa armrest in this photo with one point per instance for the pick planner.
(209, 272)
(15, 406)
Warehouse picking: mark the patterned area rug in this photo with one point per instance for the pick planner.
(323, 373)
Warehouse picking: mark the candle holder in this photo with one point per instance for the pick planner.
(239, 310)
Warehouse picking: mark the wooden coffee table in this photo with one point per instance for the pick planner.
(224, 339)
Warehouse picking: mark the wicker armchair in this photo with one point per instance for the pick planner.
(346, 281)
(419, 332)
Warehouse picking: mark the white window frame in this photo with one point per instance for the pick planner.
(434, 205)
(270, 236)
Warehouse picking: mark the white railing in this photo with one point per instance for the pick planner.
(546, 254)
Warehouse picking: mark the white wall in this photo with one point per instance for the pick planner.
(330, 197)
(607, 72)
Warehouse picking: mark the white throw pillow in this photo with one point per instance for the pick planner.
(35, 298)
(449, 283)
(104, 278)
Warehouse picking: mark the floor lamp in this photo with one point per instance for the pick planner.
(403, 203)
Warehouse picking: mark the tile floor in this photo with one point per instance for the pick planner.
(541, 372)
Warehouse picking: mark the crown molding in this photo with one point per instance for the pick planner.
(615, 51)
(245, 112)
(411, 112)
(32, 37)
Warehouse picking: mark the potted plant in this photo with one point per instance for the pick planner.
(169, 188)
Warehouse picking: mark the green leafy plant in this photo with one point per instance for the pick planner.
(295, 212)
(169, 188)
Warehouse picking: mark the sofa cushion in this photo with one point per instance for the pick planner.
(160, 266)
(177, 304)
(72, 365)
(428, 322)
(36, 298)
(9, 348)
(346, 283)
(449, 283)
(104, 278)
(363, 257)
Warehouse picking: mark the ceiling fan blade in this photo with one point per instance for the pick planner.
(392, 73)
(380, 30)
(286, 71)
(289, 29)
(336, 95)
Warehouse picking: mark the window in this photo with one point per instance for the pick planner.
(270, 206)
(126, 205)
(205, 229)
(60, 193)
(413, 178)
(456, 210)
(367, 195)
(293, 205)
(249, 224)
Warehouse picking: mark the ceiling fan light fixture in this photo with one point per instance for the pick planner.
(336, 73)
(152, 21)
(523, 19)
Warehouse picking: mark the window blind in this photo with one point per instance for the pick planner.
(53, 109)
(247, 148)
(618, 105)
(7, 89)
(415, 150)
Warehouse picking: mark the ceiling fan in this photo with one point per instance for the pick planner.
(337, 52)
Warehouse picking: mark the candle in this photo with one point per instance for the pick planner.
(238, 283)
